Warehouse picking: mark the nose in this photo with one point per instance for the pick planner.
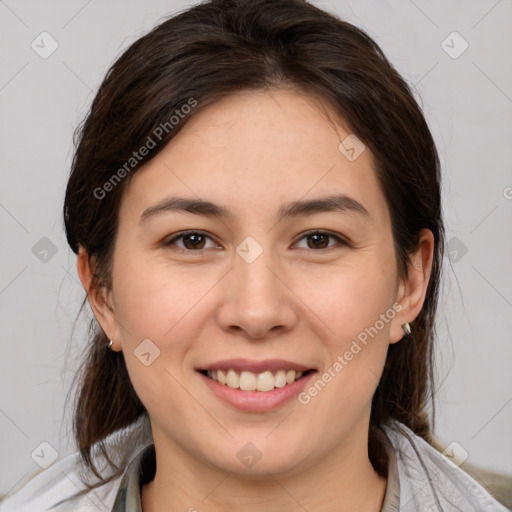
(256, 300)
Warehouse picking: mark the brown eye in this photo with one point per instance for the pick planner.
(191, 241)
(321, 240)
(318, 241)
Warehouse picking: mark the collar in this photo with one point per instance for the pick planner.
(419, 477)
(142, 469)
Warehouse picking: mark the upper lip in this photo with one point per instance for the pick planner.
(241, 364)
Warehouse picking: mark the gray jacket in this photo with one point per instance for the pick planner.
(420, 479)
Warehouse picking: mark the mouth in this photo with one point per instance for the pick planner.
(256, 387)
(262, 381)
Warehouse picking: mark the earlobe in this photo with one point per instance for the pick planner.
(98, 297)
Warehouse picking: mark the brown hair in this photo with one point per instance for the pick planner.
(206, 52)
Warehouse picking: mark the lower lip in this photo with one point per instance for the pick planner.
(257, 401)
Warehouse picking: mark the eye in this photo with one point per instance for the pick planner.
(320, 240)
(197, 240)
(192, 241)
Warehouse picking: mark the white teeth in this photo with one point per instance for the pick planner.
(249, 381)
(280, 379)
(232, 379)
(265, 381)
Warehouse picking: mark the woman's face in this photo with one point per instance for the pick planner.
(253, 289)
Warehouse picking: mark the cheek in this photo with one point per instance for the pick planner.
(356, 307)
(166, 305)
(349, 299)
(159, 308)
(154, 299)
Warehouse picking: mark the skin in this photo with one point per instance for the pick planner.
(252, 152)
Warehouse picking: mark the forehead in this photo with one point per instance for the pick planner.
(254, 151)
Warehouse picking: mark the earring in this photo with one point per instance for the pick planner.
(407, 328)
(110, 344)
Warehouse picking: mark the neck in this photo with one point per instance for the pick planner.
(341, 481)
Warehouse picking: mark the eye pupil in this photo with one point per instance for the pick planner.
(193, 241)
(318, 239)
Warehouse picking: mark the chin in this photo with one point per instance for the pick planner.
(251, 463)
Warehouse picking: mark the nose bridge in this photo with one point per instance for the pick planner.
(256, 299)
(257, 284)
(255, 278)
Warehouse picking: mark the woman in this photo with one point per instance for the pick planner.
(255, 207)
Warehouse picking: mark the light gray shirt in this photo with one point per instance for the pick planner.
(420, 479)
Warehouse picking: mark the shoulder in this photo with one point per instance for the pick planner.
(59, 487)
(429, 480)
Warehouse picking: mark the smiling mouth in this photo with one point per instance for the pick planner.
(249, 381)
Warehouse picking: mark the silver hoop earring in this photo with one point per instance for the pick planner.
(407, 328)
(110, 344)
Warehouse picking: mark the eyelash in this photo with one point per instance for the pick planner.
(305, 235)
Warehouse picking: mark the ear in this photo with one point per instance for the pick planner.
(99, 298)
(412, 290)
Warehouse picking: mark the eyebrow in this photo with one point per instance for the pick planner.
(334, 203)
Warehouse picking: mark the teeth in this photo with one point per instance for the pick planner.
(249, 381)
(232, 379)
(265, 381)
(280, 379)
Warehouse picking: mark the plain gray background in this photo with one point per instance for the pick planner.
(467, 100)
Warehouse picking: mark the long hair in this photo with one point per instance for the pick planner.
(205, 53)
